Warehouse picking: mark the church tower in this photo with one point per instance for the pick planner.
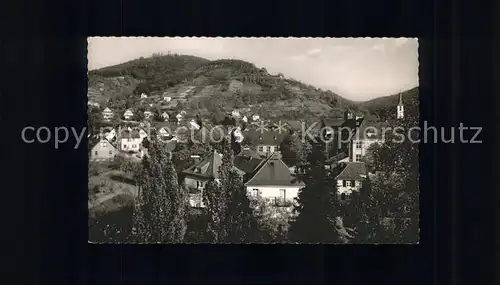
(401, 108)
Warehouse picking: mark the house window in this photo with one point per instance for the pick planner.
(342, 197)
(255, 192)
(343, 183)
(110, 152)
(283, 195)
(358, 144)
(95, 152)
(348, 183)
(358, 157)
(133, 146)
(199, 184)
(269, 148)
(261, 148)
(103, 144)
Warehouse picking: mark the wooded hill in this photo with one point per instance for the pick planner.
(215, 87)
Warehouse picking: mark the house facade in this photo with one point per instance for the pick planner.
(273, 180)
(128, 115)
(352, 179)
(365, 137)
(103, 151)
(165, 116)
(107, 114)
(130, 141)
(148, 114)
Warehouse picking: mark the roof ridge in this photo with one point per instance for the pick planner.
(259, 169)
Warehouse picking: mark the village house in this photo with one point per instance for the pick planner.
(179, 118)
(130, 141)
(273, 180)
(365, 137)
(266, 142)
(148, 115)
(128, 115)
(194, 125)
(93, 104)
(352, 179)
(245, 119)
(165, 116)
(144, 96)
(103, 151)
(235, 114)
(107, 114)
(247, 161)
(167, 98)
(255, 117)
(196, 176)
(163, 133)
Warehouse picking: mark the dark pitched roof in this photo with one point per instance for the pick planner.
(332, 122)
(108, 143)
(273, 172)
(247, 152)
(247, 164)
(130, 134)
(208, 167)
(353, 171)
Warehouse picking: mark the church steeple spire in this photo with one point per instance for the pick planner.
(400, 109)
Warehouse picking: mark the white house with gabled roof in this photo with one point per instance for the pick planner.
(128, 115)
(103, 151)
(107, 114)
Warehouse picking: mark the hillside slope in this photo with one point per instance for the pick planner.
(217, 86)
(384, 108)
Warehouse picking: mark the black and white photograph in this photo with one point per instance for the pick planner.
(199, 140)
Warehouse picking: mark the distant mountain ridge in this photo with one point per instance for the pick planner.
(216, 86)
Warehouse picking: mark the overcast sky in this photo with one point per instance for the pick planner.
(355, 68)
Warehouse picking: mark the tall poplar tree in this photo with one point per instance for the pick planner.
(160, 211)
(230, 217)
(316, 211)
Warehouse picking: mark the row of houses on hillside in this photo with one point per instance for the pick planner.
(108, 114)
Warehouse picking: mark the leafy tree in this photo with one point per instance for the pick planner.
(230, 217)
(289, 148)
(159, 215)
(139, 116)
(273, 222)
(316, 208)
(390, 214)
(93, 121)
